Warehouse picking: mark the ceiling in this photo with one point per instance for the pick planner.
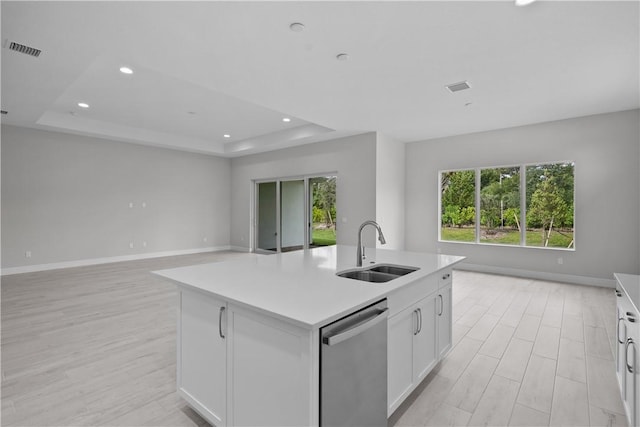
(206, 69)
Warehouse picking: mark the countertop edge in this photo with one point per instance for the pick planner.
(384, 293)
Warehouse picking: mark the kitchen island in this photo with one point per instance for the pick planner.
(248, 340)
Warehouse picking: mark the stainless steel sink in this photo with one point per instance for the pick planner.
(367, 276)
(396, 270)
(378, 273)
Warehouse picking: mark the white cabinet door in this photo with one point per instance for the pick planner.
(202, 356)
(411, 349)
(445, 308)
(632, 377)
(401, 329)
(269, 371)
(621, 339)
(425, 353)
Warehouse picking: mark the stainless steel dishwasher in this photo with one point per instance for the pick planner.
(353, 369)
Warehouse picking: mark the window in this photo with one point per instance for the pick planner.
(522, 205)
(458, 212)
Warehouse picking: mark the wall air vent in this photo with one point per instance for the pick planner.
(27, 50)
(457, 87)
(3, 112)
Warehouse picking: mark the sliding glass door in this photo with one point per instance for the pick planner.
(292, 214)
(267, 217)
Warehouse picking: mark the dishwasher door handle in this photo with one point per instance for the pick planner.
(352, 332)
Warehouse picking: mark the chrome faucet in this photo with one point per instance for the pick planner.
(360, 250)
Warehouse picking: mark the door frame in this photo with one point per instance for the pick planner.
(255, 206)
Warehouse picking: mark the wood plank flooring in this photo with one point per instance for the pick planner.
(95, 346)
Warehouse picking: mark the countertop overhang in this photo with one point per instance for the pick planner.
(630, 284)
(301, 287)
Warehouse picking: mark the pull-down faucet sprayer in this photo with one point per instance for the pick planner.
(359, 250)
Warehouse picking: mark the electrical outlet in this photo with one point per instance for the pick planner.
(144, 204)
(144, 244)
(130, 245)
(130, 205)
(560, 260)
(27, 254)
(204, 239)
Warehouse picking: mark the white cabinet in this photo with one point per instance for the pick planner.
(628, 344)
(419, 336)
(400, 374)
(238, 367)
(269, 372)
(445, 308)
(411, 349)
(202, 355)
(425, 354)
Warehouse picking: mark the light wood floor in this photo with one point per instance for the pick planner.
(96, 346)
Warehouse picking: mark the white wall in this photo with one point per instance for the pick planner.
(354, 160)
(66, 198)
(606, 150)
(390, 189)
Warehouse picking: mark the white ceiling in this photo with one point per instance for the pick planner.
(240, 69)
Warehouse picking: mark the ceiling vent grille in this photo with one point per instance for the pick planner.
(457, 87)
(27, 50)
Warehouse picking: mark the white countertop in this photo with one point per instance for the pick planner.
(302, 287)
(630, 284)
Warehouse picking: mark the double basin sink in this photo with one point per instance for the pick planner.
(377, 273)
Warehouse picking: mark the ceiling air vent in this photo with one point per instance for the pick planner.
(457, 87)
(27, 50)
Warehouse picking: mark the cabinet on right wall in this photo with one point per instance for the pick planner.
(628, 340)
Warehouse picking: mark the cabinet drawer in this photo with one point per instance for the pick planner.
(410, 294)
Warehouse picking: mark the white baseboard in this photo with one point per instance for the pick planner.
(539, 275)
(107, 260)
(240, 249)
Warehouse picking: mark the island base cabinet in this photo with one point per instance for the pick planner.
(237, 367)
(418, 337)
(627, 345)
(202, 355)
(269, 372)
(411, 351)
(445, 307)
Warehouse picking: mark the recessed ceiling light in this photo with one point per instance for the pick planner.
(524, 2)
(126, 70)
(83, 105)
(286, 119)
(226, 135)
(342, 56)
(297, 27)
